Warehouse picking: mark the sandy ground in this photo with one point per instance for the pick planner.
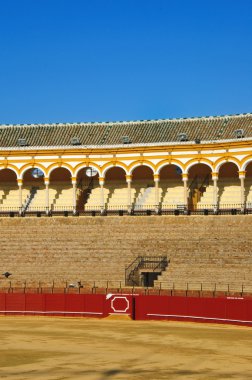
(65, 348)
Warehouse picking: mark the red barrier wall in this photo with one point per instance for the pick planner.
(53, 304)
(219, 310)
(140, 307)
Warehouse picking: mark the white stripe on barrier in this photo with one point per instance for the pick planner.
(49, 312)
(194, 317)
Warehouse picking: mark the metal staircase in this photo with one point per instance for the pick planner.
(149, 263)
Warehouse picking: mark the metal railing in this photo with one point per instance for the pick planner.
(196, 289)
(155, 263)
(149, 209)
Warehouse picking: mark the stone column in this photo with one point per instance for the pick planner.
(74, 195)
(128, 180)
(46, 181)
(215, 191)
(101, 183)
(242, 179)
(156, 180)
(20, 183)
(185, 180)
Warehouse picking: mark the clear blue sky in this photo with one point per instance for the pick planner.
(99, 60)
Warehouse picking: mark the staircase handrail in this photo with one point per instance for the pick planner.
(205, 181)
(29, 198)
(194, 181)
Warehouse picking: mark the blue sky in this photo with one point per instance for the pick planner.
(95, 60)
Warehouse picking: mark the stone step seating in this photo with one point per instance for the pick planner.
(202, 250)
(10, 196)
(38, 202)
(63, 199)
(172, 193)
(229, 192)
(207, 197)
(145, 196)
(94, 199)
(60, 197)
(118, 198)
(248, 192)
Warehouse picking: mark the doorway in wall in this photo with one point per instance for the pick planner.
(148, 278)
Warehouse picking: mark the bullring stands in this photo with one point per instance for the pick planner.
(204, 251)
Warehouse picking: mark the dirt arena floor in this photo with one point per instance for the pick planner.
(70, 348)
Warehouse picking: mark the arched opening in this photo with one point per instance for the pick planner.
(9, 196)
(115, 189)
(200, 186)
(33, 190)
(60, 190)
(171, 191)
(229, 189)
(248, 186)
(88, 189)
(143, 188)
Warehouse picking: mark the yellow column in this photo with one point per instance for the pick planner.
(128, 180)
(242, 179)
(215, 191)
(101, 183)
(156, 180)
(46, 181)
(185, 180)
(74, 194)
(20, 183)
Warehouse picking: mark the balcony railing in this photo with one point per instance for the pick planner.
(148, 209)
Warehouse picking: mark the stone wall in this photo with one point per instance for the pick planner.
(202, 249)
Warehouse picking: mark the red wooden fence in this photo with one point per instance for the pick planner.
(139, 307)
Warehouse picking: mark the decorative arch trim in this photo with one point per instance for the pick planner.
(222, 161)
(245, 162)
(195, 161)
(135, 164)
(26, 167)
(87, 165)
(10, 167)
(64, 165)
(111, 165)
(166, 162)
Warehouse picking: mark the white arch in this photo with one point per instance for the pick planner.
(245, 164)
(169, 164)
(57, 167)
(84, 166)
(12, 169)
(221, 163)
(197, 163)
(31, 167)
(113, 166)
(139, 164)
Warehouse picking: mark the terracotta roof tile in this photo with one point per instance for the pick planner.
(146, 131)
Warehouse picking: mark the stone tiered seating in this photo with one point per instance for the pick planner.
(229, 192)
(206, 199)
(144, 196)
(212, 251)
(94, 199)
(248, 192)
(172, 193)
(64, 197)
(118, 198)
(10, 196)
(60, 196)
(38, 202)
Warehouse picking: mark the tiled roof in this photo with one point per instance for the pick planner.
(139, 132)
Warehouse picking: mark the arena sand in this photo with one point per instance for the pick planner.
(70, 348)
